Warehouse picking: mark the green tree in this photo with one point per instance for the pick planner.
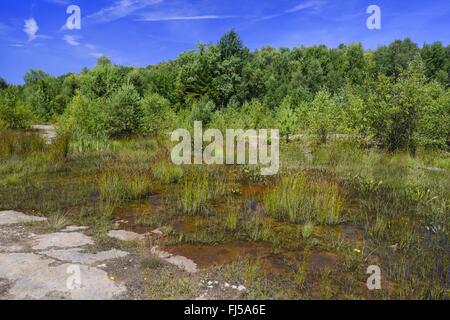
(286, 118)
(157, 115)
(85, 119)
(393, 108)
(3, 84)
(13, 113)
(124, 111)
(323, 115)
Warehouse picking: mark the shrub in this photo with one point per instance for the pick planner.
(393, 108)
(85, 119)
(157, 115)
(124, 111)
(323, 116)
(13, 113)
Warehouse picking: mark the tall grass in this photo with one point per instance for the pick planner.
(20, 144)
(167, 173)
(195, 193)
(298, 199)
(117, 186)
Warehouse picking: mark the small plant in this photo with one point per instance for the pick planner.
(57, 221)
(151, 262)
(307, 230)
(252, 173)
(378, 229)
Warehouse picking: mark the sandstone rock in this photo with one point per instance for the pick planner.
(14, 217)
(60, 240)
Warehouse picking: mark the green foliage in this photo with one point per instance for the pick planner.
(157, 115)
(167, 173)
(255, 115)
(3, 84)
(13, 113)
(85, 119)
(124, 111)
(286, 118)
(202, 110)
(323, 115)
(395, 97)
(393, 108)
(298, 199)
(18, 144)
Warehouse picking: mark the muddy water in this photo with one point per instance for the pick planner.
(205, 256)
(143, 217)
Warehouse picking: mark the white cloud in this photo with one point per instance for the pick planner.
(314, 4)
(71, 40)
(180, 18)
(120, 9)
(31, 28)
(306, 5)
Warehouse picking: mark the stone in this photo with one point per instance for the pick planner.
(157, 232)
(12, 248)
(74, 229)
(181, 262)
(60, 240)
(75, 255)
(33, 278)
(125, 235)
(14, 217)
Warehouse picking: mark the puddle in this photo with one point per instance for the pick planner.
(205, 256)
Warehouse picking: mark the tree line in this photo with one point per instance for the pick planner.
(396, 96)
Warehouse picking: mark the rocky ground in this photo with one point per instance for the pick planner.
(70, 264)
(55, 265)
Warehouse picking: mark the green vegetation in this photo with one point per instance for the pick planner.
(364, 179)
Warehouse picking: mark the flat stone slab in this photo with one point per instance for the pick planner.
(60, 240)
(76, 256)
(33, 278)
(125, 235)
(181, 262)
(12, 248)
(74, 229)
(14, 217)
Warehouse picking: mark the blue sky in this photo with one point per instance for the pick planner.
(143, 32)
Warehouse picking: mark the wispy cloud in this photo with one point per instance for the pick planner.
(71, 40)
(120, 9)
(181, 18)
(31, 28)
(314, 4)
(306, 5)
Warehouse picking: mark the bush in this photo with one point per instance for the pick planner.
(13, 113)
(85, 119)
(323, 116)
(124, 111)
(393, 108)
(157, 115)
